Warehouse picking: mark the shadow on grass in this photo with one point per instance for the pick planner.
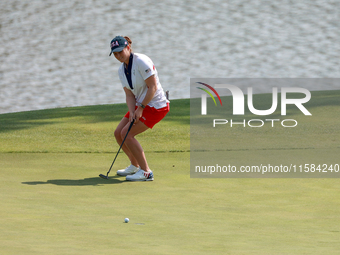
(179, 111)
(94, 181)
(84, 114)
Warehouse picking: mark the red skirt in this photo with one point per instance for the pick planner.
(151, 116)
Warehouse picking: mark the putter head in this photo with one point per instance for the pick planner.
(104, 176)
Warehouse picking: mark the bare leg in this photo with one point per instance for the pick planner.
(134, 146)
(120, 137)
(131, 146)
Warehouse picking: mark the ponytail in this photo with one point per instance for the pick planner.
(129, 41)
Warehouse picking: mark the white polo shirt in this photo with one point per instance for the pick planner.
(142, 68)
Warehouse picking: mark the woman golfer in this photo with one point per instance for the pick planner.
(146, 102)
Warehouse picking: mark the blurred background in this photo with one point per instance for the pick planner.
(54, 53)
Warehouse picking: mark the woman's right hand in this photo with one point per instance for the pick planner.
(131, 116)
(131, 103)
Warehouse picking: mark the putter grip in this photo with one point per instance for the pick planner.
(133, 121)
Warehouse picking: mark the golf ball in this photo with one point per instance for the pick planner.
(126, 220)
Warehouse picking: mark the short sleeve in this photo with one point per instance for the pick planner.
(146, 67)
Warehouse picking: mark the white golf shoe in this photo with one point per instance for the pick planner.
(141, 175)
(131, 169)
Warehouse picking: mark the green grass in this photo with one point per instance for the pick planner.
(53, 202)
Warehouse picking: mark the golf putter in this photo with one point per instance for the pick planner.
(107, 174)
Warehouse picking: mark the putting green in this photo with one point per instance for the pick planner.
(53, 202)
